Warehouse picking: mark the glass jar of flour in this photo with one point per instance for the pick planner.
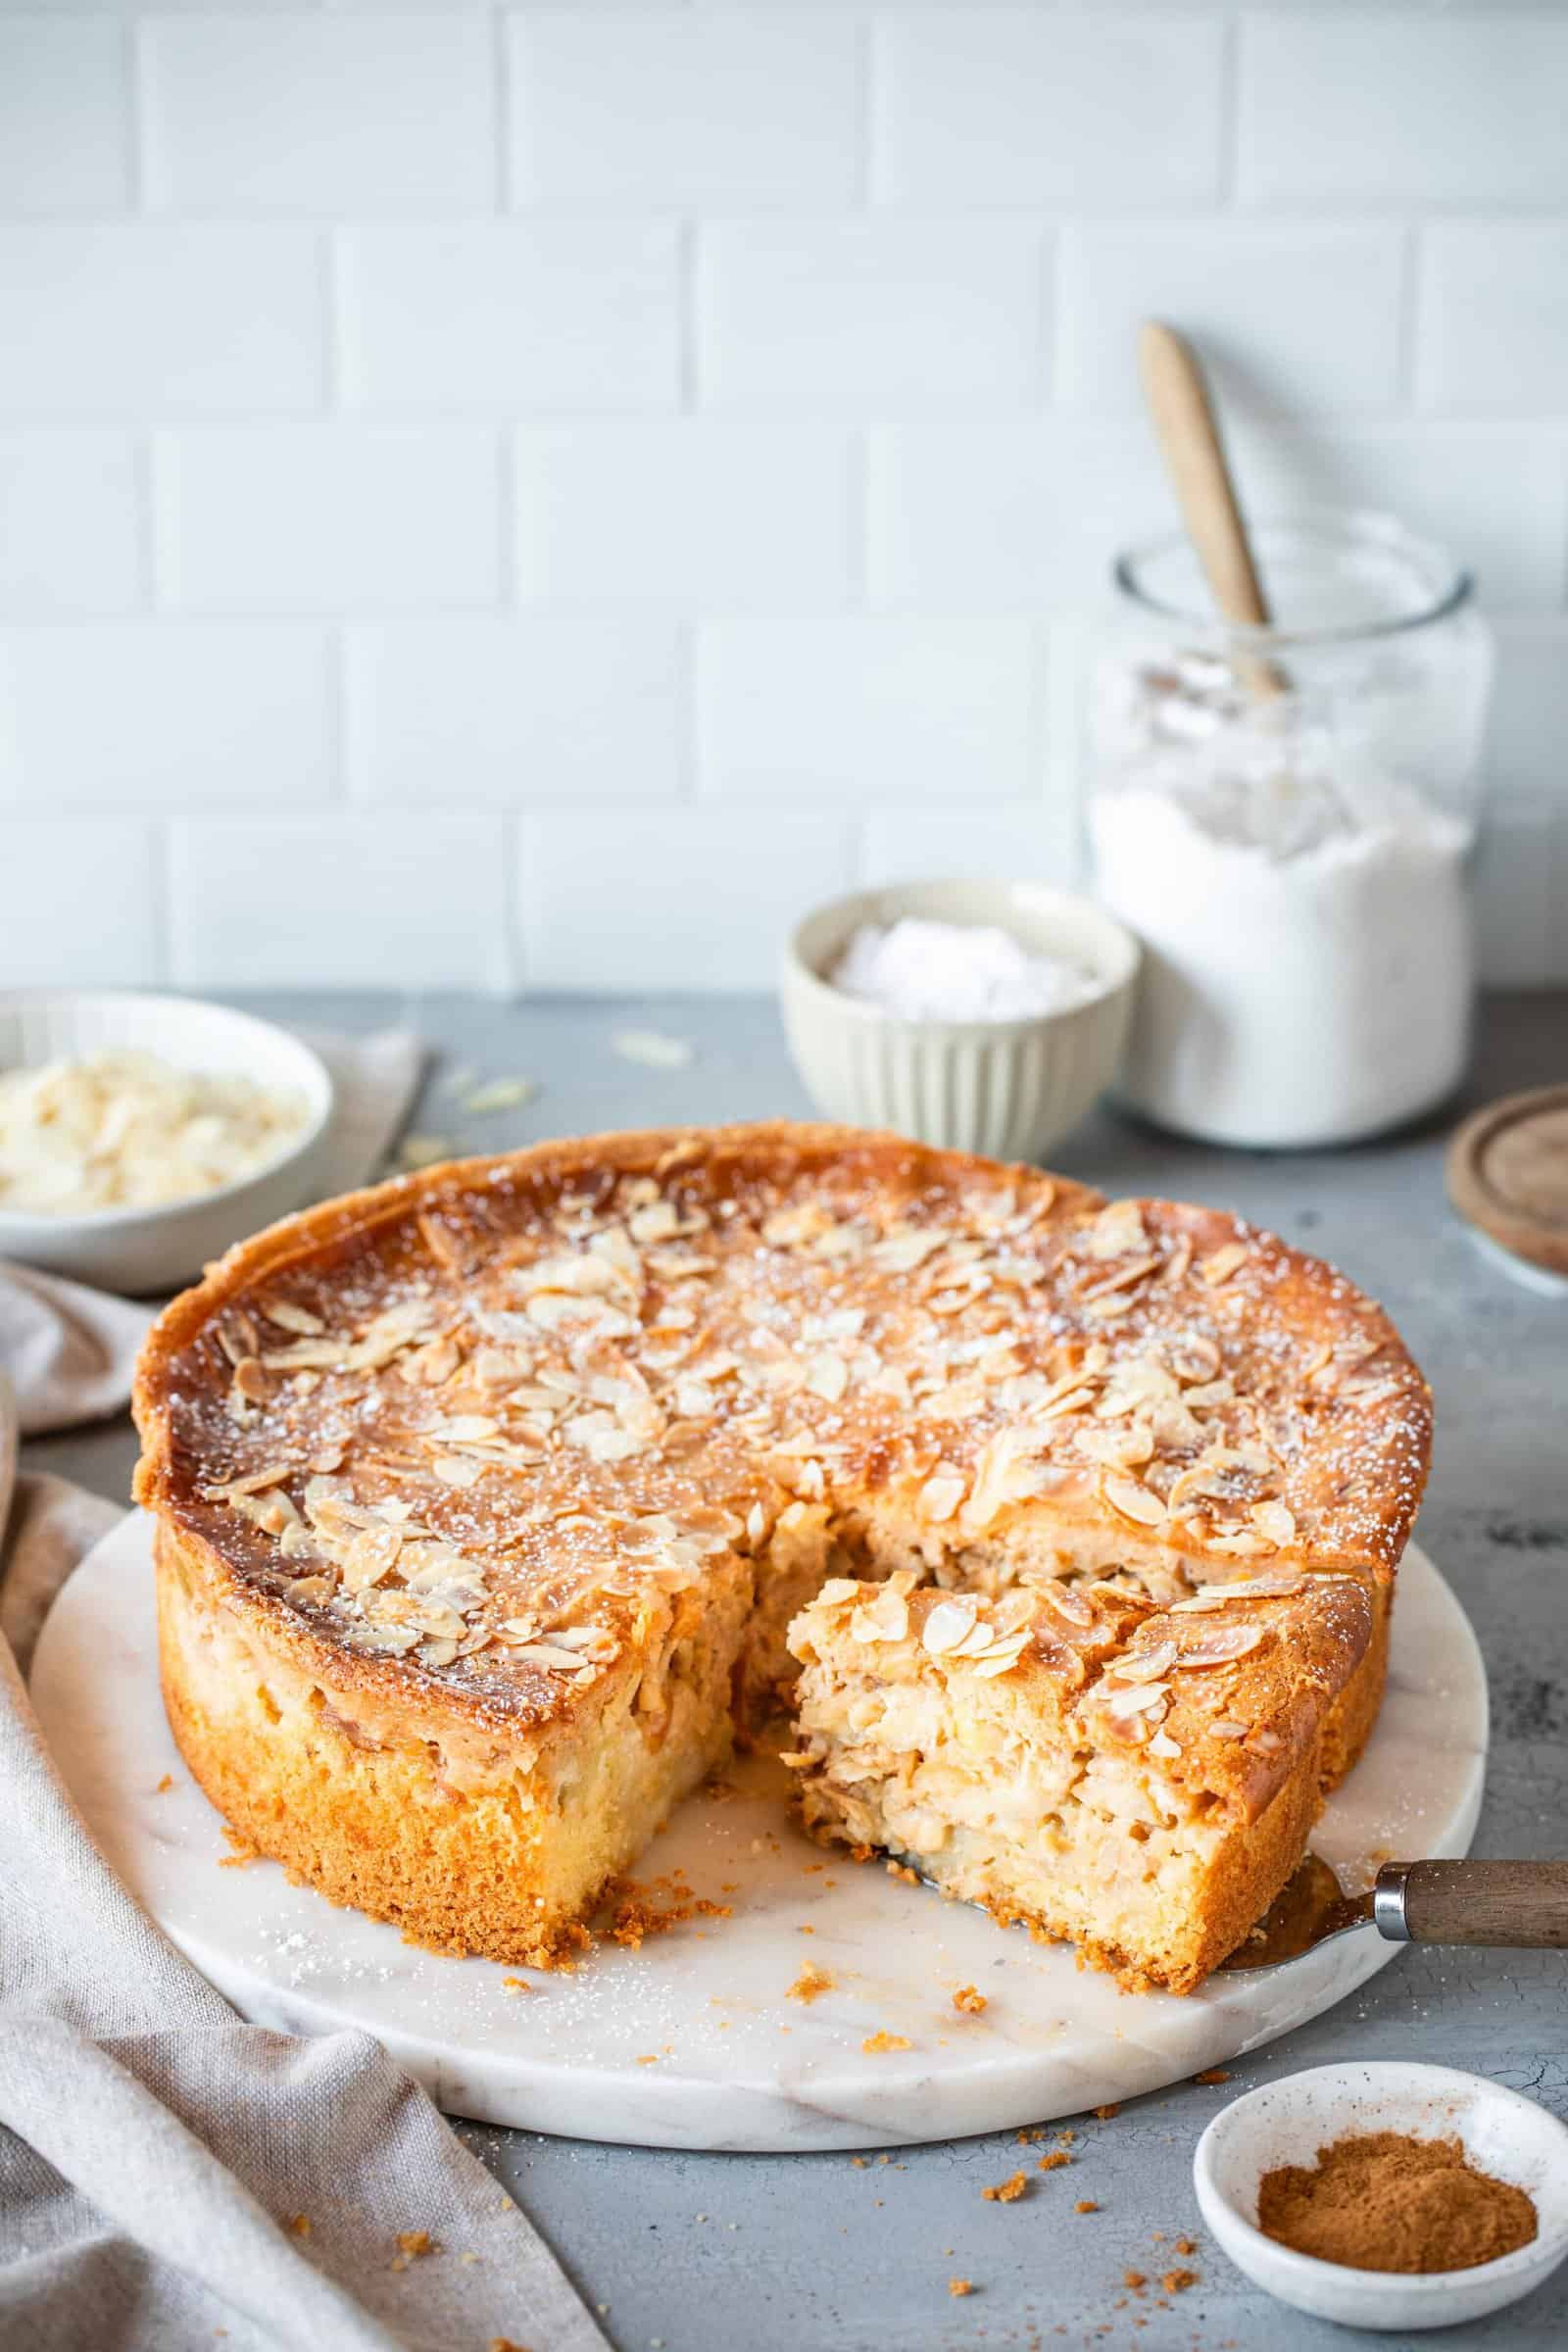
(1285, 816)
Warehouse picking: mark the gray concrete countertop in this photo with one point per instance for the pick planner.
(834, 2254)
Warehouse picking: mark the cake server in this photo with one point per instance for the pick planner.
(1514, 1905)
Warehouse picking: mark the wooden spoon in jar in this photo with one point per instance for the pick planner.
(1184, 421)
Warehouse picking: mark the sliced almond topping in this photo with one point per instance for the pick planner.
(949, 1623)
(1275, 1520)
(1134, 1501)
(1147, 1665)
(289, 1317)
(1221, 1647)
(459, 1470)
(1145, 1699)
(942, 1493)
(827, 1375)
(547, 1654)
(1116, 1230)
(884, 1619)
(1225, 1727)
(1221, 1265)
(1163, 1744)
(1001, 1658)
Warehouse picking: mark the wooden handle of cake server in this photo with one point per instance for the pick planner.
(1509, 1903)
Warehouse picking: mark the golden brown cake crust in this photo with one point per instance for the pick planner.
(472, 1455)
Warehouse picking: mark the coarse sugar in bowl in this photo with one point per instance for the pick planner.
(1285, 816)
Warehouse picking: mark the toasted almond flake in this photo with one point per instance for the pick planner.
(253, 1484)
(942, 1494)
(1221, 1265)
(884, 1619)
(250, 1381)
(1134, 1501)
(459, 1470)
(424, 1151)
(1221, 1646)
(1275, 1520)
(291, 1317)
(1124, 1279)
(547, 1654)
(653, 1049)
(949, 1623)
(1116, 1230)
(1225, 1727)
(1002, 1659)
(500, 1094)
(1163, 1744)
(1067, 1603)
(1147, 1665)
(1143, 1699)
(827, 1375)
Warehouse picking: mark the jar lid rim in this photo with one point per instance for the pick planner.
(1367, 526)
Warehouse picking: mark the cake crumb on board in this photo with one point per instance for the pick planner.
(1009, 2192)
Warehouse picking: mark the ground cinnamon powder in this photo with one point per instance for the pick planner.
(1388, 2201)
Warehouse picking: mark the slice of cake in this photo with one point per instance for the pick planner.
(1074, 1755)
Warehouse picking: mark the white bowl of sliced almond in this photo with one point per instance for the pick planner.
(140, 1136)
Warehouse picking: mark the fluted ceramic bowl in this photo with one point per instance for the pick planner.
(1007, 1088)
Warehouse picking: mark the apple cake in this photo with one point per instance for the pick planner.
(492, 1503)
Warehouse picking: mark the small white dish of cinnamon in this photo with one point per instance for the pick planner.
(1388, 2196)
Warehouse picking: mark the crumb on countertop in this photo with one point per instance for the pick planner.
(810, 1984)
(875, 2044)
(1009, 2192)
(960, 2286)
(969, 2001)
(1213, 2073)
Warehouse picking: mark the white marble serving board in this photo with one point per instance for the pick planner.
(689, 2042)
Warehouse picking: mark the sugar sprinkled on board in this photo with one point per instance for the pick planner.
(924, 971)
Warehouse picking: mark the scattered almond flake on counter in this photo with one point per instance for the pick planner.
(500, 1094)
(1009, 2192)
(424, 1151)
(969, 2001)
(875, 2044)
(810, 1984)
(653, 1049)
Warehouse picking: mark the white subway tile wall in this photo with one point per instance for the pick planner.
(534, 495)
